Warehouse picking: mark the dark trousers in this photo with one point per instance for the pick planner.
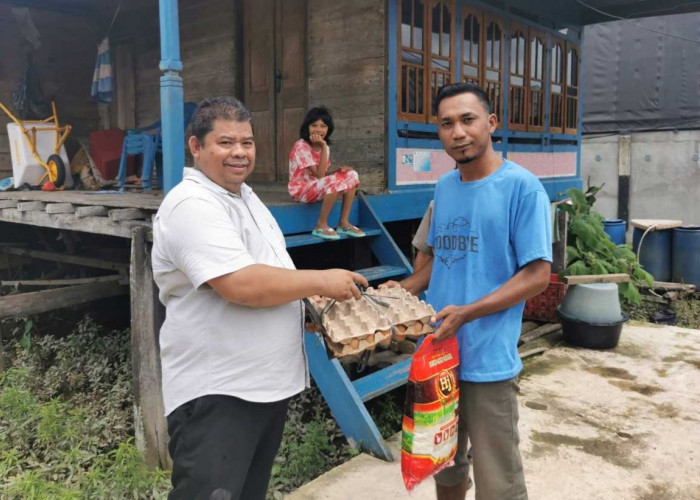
(223, 447)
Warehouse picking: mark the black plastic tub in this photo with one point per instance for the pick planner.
(591, 335)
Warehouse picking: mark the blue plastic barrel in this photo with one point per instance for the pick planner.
(686, 255)
(616, 229)
(655, 255)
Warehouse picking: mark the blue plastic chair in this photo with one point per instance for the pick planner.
(148, 141)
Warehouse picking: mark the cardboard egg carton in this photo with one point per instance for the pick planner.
(354, 326)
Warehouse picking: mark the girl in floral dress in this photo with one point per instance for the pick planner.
(311, 179)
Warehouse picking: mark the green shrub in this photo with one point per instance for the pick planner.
(590, 251)
(65, 420)
(66, 423)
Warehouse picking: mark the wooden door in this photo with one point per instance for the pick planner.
(125, 93)
(275, 85)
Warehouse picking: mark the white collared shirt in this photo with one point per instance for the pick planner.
(209, 345)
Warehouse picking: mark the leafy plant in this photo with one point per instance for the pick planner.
(590, 251)
(66, 422)
(312, 444)
(66, 419)
(387, 412)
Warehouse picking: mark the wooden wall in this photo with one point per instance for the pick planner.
(208, 41)
(347, 73)
(64, 63)
(346, 68)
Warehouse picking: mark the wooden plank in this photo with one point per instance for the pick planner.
(96, 225)
(26, 304)
(67, 259)
(66, 282)
(539, 332)
(147, 201)
(559, 247)
(120, 214)
(115, 199)
(658, 224)
(60, 208)
(147, 315)
(586, 279)
(8, 204)
(91, 211)
(533, 352)
(669, 287)
(31, 206)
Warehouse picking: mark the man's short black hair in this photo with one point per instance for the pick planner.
(453, 89)
(213, 108)
(318, 113)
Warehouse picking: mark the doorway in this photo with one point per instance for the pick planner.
(274, 76)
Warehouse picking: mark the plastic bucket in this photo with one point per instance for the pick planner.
(686, 255)
(616, 229)
(655, 255)
(591, 335)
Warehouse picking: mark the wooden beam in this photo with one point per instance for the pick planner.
(541, 331)
(586, 279)
(68, 259)
(657, 224)
(670, 287)
(127, 214)
(147, 315)
(95, 225)
(559, 247)
(67, 282)
(25, 304)
(8, 203)
(533, 352)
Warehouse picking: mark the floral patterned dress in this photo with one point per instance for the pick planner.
(306, 188)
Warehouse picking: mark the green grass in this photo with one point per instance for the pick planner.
(66, 422)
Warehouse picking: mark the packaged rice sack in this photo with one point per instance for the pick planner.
(429, 437)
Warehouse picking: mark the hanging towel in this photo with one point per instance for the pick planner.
(102, 83)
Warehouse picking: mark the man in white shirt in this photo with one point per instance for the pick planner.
(232, 347)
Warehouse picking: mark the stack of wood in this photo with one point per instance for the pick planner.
(666, 294)
(536, 338)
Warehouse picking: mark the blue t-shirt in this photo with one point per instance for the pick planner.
(482, 234)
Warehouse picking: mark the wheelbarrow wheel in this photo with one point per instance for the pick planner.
(57, 170)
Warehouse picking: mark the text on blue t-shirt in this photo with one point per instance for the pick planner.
(482, 234)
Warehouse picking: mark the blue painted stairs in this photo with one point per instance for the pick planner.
(345, 397)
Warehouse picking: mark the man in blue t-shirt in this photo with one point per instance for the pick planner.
(491, 240)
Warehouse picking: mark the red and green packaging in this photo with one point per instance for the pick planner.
(429, 438)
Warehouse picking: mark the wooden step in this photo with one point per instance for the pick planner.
(383, 381)
(382, 272)
(304, 239)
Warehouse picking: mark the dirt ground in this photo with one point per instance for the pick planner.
(617, 424)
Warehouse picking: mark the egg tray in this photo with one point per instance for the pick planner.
(354, 326)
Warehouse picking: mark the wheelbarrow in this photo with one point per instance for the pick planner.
(49, 166)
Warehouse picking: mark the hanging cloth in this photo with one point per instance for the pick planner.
(102, 82)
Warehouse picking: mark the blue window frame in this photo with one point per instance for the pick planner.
(530, 71)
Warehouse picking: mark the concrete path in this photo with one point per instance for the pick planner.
(617, 424)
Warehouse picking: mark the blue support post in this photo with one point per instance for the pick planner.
(171, 95)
